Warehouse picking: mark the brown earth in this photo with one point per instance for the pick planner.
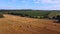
(22, 25)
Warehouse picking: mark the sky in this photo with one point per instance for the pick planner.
(30, 4)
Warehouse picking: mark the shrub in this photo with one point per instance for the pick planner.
(38, 16)
(26, 15)
(31, 16)
(35, 16)
(46, 17)
(42, 17)
(1, 16)
(53, 17)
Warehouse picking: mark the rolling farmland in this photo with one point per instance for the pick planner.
(22, 25)
(28, 22)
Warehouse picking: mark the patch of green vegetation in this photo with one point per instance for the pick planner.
(1, 15)
(31, 13)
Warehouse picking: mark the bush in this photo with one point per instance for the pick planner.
(31, 16)
(40, 17)
(26, 15)
(53, 17)
(1, 16)
(35, 16)
(46, 17)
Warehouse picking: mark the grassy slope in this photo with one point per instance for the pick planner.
(54, 13)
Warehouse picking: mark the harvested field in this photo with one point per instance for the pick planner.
(22, 25)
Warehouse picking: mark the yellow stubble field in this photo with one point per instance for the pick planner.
(11, 24)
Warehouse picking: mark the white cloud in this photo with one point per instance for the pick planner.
(18, 0)
(50, 1)
(47, 1)
(37, 1)
(54, 7)
(14, 0)
(23, 1)
(52, 4)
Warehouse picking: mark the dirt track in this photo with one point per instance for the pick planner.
(22, 25)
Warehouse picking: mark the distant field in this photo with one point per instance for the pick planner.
(28, 13)
(32, 13)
